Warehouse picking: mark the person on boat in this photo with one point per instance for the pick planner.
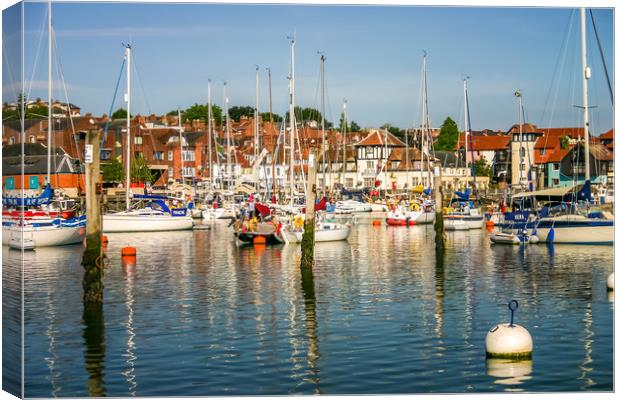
(245, 225)
(209, 198)
(254, 224)
(251, 207)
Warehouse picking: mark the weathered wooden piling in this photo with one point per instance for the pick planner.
(92, 259)
(307, 240)
(439, 232)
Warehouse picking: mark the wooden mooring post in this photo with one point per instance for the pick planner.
(92, 259)
(307, 240)
(439, 232)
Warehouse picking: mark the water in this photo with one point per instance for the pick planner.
(197, 315)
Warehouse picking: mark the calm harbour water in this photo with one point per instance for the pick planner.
(198, 315)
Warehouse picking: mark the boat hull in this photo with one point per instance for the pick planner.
(400, 222)
(326, 232)
(42, 236)
(152, 223)
(455, 224)
(425, 218)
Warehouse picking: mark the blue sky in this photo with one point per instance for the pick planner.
(374, 58)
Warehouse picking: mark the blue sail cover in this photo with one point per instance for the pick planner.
(463, 196)
(42, 199)
(427, 191)
(585, 194)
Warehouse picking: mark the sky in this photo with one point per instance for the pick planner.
(373, 59)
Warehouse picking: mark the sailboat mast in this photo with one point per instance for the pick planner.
(181, 146)
(323, 122)
(466, 129)
(424, 104)
(292, 121)
(49, 92)
(586, 76)
(227, 136)
(256, 120)
(344, 142)
(128, 138)
(426, 138)
(210, 129)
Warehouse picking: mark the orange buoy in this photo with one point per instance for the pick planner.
(128, 261)
(490, 224)
(104, 239)
(128, 251)
(259, 240)
(376, 222)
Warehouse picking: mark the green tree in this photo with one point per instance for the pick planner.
(482, 168)
(265, 117)
(448, 136)
(113, 171)
(121, 113)
(140, 171)
(236, 112)
(564, 141)
(201, 112)
(355, 127)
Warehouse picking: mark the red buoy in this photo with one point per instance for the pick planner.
(376, 222)
(259, 240)
(128, 251)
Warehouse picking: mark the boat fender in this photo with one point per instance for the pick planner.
(510, 341)
(551, 235)
(610, 282)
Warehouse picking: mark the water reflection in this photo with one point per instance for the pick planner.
(509, 372)
(128, 264)
(307, 286)
(379, 314)
(94, 348)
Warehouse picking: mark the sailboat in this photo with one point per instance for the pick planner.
(157, 215)
(323, 230)
(463, 214)
(44, 225)
(570, 225)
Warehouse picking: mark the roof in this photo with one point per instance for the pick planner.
(448, 159)
(378, 138)
(601, 152)
(30, 149)
(524, 128)
(574, 133)
(485, 143)
(37, 164)
(607, 135)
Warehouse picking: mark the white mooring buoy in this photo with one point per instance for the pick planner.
(610, 281)
(509, 340)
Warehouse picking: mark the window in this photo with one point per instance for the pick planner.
(556, 182)
(188, 171)
(137, 139)
(189, 155)
(12, 140)
(556, 166)
(370, 164)
(321, 183)
(522, 167)
(158, 155)
(170, 155)
(522, 151)
(543, 152)
(349, 182)
(32, 139)
(369, 182)
(105, 154)
(369, 152)
(170, 172)
(138, 154)
(395, 164)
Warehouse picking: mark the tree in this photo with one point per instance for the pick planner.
(448, 136)
(121, 113)
(140, 171)
(265, 117)
(201, 112)
(482, 168)
(355, 127)
(564, 141)
(236, 112)
(113, 172)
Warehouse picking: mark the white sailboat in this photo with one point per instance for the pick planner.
(157, 216)
(465, 216)
(570, 226)
(43, 226)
